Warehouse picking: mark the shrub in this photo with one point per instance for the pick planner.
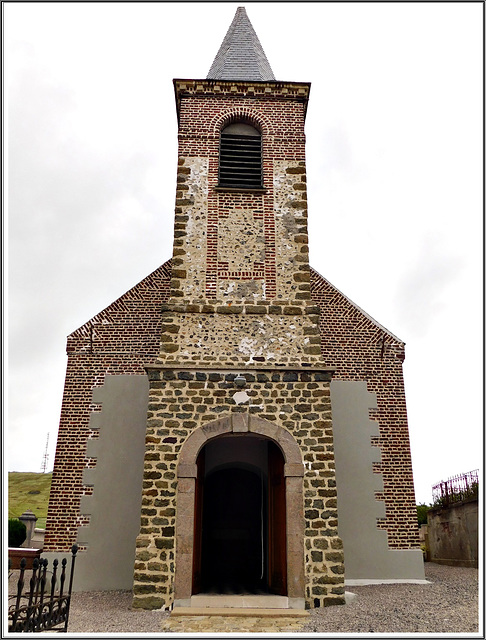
(422, 510)
(17, 532)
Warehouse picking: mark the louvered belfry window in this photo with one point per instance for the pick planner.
(240, 157)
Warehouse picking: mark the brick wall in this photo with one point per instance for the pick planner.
(360, 349)
(119, 340)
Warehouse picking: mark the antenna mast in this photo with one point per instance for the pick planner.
(45, 457)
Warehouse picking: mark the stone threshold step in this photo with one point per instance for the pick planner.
(252, 601)
(239, 612)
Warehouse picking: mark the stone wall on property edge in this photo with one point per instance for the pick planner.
(453, 534)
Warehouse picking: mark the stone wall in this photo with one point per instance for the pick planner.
(183, 401)
(240, 334)
(453, 534)
(240, 301)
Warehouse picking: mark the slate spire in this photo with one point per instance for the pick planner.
(241, 56)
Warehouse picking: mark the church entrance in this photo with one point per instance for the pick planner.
(240, 517)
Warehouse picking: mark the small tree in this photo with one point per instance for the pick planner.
(17, 532)
(422, 510)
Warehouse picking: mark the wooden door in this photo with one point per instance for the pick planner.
(277, 529)
(198, 518)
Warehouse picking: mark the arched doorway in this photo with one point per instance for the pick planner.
(240, 532)
(286, 466)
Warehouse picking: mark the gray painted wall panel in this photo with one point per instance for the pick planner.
(366, 553)
(115, 504)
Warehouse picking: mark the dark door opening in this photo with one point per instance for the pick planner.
(240, 539)
(232, 547)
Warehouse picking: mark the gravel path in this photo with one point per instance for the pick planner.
(449, 604)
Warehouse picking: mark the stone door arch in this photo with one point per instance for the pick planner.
(187, 473)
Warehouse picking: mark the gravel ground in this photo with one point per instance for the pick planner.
(449, 604)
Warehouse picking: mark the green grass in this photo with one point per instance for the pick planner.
(21, 496)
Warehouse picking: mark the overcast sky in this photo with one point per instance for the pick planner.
(394, 160)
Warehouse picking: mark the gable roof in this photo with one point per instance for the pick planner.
(319, 284)
(241, 56)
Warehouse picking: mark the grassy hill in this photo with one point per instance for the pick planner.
(29, 491)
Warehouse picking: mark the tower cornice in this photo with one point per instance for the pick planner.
(253, 89)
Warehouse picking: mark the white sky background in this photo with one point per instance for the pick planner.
(394, 160)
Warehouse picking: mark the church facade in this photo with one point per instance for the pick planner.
(234, 423)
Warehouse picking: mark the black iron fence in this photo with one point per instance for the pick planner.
(45, 606)
(456, 489)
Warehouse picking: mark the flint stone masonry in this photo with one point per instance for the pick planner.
(190, 228)
(235, 338)
(241, 241)
(292, 269)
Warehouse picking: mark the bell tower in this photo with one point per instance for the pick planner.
(240, 289)
(239, 387)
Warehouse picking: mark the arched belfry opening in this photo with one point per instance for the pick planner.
(240, 157)
(240, 532)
